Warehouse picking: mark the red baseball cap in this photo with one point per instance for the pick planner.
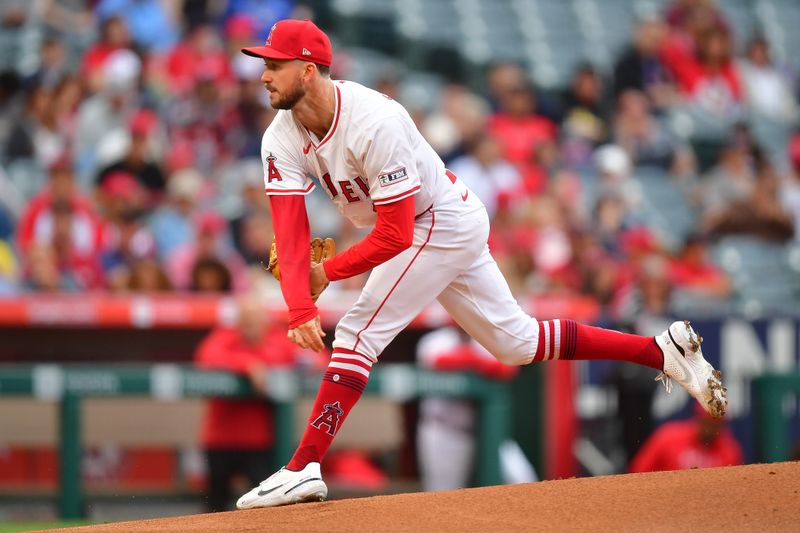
(295, 39)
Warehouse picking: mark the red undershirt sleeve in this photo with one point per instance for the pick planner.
(292, 238)
(393, 233)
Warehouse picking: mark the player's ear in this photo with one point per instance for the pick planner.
(309, 70)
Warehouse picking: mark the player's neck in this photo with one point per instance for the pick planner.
(317, 108)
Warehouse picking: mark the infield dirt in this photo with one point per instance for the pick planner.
(743, 498)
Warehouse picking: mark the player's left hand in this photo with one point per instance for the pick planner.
(308, 335)
(319, 280)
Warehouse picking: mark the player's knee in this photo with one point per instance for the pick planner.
(514, 357)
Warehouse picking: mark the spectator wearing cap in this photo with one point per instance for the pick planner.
(126, 240)
(614, 170)
(172, 223)
(103, 117)
(212, 241)
(139, 160)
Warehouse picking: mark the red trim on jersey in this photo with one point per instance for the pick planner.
(335, 122)
(393, 233)
(290, 191)
(381, 201)
(428, 238)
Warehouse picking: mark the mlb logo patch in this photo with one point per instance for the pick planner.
(393, 177)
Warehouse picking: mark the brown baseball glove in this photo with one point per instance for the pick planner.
(321, 250)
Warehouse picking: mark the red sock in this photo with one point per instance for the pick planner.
(566, 339)
(342, 385)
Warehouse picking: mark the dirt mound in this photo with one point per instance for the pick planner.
(745, 498)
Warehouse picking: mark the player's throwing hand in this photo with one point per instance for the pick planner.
(308, 335)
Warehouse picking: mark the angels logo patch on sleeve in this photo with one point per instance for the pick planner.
(395, 176)
(272, 170)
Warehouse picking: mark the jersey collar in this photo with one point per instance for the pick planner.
(311, 137)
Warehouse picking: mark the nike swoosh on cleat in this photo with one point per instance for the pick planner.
(678, 346)
(302, 483)
(265, 492)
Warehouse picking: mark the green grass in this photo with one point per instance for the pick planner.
(14, 527)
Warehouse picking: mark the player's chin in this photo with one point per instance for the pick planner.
(277, 102)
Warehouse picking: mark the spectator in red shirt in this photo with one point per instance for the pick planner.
(61, 218)
(707, 78)
(518, 128)
(113, 36)
(201, 55)
(238, 434)
(701, 442)
(694, 272)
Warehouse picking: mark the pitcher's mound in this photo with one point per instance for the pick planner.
(743, 498)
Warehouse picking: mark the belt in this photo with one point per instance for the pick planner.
(430, 208)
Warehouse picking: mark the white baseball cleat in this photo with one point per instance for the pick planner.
(684, 362)
(285, 487)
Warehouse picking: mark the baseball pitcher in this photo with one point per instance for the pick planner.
(428, 241)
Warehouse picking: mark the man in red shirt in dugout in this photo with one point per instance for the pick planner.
(238, 433)
(699, 442)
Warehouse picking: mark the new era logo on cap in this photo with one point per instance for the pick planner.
(295, 39)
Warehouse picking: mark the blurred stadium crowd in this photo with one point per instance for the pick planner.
(665, 181)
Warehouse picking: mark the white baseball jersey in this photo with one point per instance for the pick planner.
(373, 154)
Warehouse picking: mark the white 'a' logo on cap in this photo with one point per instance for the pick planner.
(306, 52)
(269, 38)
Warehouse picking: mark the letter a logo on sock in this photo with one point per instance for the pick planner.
(329, 417)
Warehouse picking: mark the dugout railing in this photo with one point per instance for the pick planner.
(70, 384)
(773, 436)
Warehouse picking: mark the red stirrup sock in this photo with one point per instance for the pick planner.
(567, 339)
(342, 385)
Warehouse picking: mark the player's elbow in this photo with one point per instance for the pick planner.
(404, 241)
